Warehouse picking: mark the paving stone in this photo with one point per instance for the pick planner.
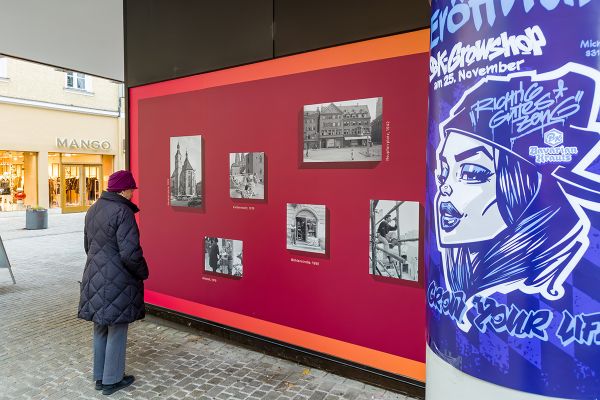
(46, 352)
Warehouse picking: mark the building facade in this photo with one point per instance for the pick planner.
(337, 126)
(356, 125)
(311, 129)
(62, 133)
(255, 165)
(330, 127)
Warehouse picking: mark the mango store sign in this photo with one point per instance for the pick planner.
(82, 144)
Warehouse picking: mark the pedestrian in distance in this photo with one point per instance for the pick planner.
(112, 287)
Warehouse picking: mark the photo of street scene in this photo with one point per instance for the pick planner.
(185, 189)
(394, 239)
(247, 175)
(343, 131)
(306, 227)
(223, 256)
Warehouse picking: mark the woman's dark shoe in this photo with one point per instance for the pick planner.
(98, 384)
(110, 389)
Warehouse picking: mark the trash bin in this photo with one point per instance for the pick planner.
(36, 218)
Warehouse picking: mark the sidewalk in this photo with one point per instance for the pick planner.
(45, 351)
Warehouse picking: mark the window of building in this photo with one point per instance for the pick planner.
(78, 81)
(3, 67)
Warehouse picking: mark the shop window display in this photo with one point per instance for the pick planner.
(78, 183)
(53, 181)
(15, 185)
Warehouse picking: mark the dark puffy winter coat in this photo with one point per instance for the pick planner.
(112, 288)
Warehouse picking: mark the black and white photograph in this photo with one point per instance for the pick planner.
(343, 131)
(247, 175)
(223, 256)
(306, 227)
(394, 244)
(185, 189)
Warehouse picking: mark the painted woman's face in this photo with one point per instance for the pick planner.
(466, 204)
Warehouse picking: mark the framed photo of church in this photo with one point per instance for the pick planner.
(185, 187)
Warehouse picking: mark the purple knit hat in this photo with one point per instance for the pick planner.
(121, 180)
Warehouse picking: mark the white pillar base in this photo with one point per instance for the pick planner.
(446, 382)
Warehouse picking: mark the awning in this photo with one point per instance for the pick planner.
(357, 138)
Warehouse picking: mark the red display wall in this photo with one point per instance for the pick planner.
(331, 305)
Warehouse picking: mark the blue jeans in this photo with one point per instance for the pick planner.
(110, 342)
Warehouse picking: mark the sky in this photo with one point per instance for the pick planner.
(370, 103)
(409, 214)
(193, 145)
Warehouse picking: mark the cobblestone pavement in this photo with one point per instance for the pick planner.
(45, 352)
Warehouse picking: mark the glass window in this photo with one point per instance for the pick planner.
(80, 81)
(77, 80)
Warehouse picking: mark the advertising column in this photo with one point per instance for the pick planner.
(513, 196)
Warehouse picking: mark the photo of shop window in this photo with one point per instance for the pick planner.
(394, 239)
(247, 175)
(185, 189)
(343, 131)
(223, 256)
(306, 225)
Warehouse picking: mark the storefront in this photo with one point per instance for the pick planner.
(75, 181)
(355, 141)
(56, 159)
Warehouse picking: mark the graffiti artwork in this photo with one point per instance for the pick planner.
(513, 202)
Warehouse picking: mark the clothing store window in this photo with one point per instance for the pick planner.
(93, 176)
(54, 180)
(18, 180)
(72, 178)
(81, 178)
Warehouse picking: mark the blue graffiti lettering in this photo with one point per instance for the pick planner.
(528, 110)
(456, 15)
(446, 302)
(531, 41)
(516, 322)
(581, 328)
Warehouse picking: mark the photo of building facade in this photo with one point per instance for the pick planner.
(247, 175)
(394, 239)
(342, 131)
(223, 256)
(306, 227)
(62, 133)
(186, 171)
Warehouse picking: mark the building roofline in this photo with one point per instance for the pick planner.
(58, 107)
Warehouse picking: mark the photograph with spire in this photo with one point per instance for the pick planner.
(185, 187)
(247, 175)
(343, 131)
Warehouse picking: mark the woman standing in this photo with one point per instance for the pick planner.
(112, 288)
